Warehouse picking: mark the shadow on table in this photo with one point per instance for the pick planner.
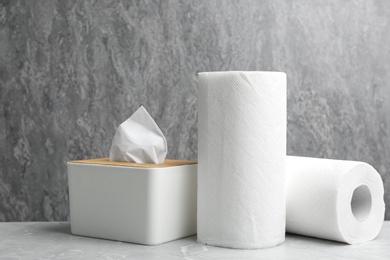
(56, 227)
(312, 240)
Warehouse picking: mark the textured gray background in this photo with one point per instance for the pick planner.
(71, 71)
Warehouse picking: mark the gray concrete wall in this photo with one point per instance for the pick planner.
(72, 71)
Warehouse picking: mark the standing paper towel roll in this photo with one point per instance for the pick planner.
(241, 159)
(334, 199)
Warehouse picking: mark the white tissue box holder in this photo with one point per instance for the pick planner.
(138, 203)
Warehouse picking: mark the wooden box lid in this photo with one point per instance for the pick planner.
(105, 161)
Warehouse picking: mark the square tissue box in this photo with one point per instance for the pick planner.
(138, 203)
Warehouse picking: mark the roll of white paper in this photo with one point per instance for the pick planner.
(241, 159)
(334, 199)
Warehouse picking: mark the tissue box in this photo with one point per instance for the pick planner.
(138, 203)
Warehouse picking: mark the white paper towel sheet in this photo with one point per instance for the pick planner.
(241, 159)
(334, 199)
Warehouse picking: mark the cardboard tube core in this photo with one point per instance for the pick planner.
(361, 203)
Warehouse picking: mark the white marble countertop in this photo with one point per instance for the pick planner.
(52, 240)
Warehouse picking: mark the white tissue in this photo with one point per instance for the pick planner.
(241, 159)
(334, 199)
(139, 140)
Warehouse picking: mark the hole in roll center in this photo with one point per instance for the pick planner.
(361, 203)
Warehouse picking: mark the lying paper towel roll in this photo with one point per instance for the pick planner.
(334, 199)
(241, 159)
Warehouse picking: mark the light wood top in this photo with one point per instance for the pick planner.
(105, 161)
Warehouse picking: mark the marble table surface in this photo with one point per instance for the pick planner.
(52, 240)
